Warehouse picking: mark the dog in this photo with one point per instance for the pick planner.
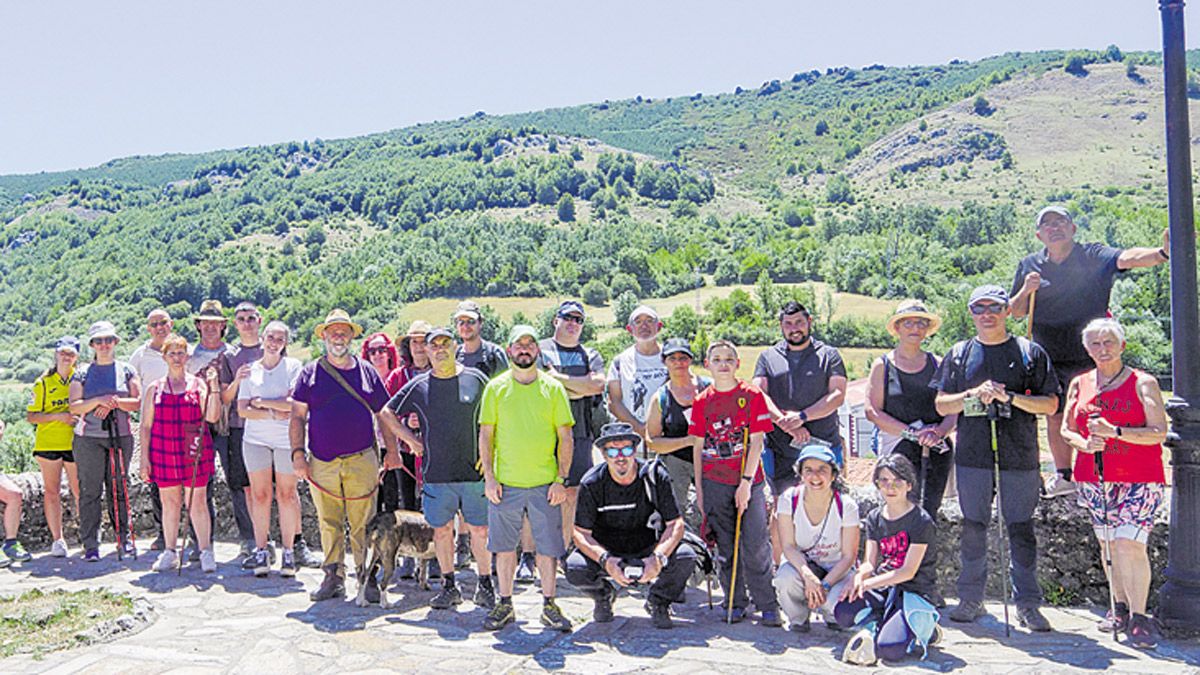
(391, 534)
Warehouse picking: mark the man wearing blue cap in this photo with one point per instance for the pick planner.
(1063, 287)
(997, 379)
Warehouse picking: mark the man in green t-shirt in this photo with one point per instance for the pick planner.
(525, 448)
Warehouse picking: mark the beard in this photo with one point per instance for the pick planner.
(793, 341)
(337, 350)
(523, 360)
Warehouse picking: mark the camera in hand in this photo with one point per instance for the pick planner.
(633, 572)
(975, 407)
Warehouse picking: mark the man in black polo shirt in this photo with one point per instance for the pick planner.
(628, 528)
(475, 352)
(1073, 283)
(806, 380)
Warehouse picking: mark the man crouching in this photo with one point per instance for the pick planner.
(628, 528)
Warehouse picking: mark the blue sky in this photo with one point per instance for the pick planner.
(84, 82)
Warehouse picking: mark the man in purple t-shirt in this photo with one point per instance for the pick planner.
(341, 461)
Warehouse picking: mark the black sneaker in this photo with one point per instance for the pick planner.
(246, 549)
(967, 611)
(446, 598)
(485, 593)
(500, 616)
(128, 550)
(372, 593)
(525, 568)
(1031, 618)
(305, 556)
(552, 617)
(660, 614)
(331, 587)
(261, 562)
(250, 561)
(603, 611)
(433, 569)
(193, 552)
(1143, 631)
(462, 553)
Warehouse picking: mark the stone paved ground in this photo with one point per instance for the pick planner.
(232, 622)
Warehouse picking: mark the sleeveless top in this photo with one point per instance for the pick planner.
(908, 396)
(1124, 462)
(676, 417)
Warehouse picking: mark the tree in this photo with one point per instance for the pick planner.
(838, 190)
(1074, 64)
(981, 106)
(566, 209)
(594, 292)
(822, 128)
(1113, 54)
(623, 307)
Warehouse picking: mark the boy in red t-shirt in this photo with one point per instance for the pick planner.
(729, 420)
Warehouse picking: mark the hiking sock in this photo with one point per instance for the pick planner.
(10, 542)
(448, 579)
(506, 599)
(547, 600)
(1065, 473)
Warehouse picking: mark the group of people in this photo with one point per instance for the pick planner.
(496, 444)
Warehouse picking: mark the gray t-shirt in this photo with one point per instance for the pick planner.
(149, 364)
(101, 380)
(237, 356)
(796, 380)
(449, 412)
(489, 359)
(201, 356)
(577, 361)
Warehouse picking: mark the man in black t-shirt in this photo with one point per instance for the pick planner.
(475, 352)
(446, 399)
(1014, 379)
(628, 528)
(1073, 283)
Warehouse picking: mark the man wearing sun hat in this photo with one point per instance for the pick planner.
(334, 406)
(1067, 284)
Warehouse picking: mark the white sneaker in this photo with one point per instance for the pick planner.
(1058, 486)
(860, 650)
(59, 549)
(208, 562)
(167, 560)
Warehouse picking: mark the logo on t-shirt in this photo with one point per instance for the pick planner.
(893, 550)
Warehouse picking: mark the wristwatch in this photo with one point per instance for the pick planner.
(662, 560)
(603, 559)
(803, 417)
(560, 480)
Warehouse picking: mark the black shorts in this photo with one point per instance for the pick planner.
(1065, 373)
(56, 455)
(581, 461)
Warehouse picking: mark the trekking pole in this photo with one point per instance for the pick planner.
(1000, 520)
(1029, 321)
(189, 494)
(1098, 459)
(113, 469)
(737, 528)
(924, 476)
(128, 519)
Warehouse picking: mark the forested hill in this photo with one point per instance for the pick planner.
(880, 180)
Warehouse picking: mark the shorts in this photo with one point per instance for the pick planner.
(440, 501)
(581, 461)
(55, 455)
(1131, 508)
(1064, 373)
(257, 457)
(505, 520)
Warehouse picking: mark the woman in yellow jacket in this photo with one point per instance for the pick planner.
(49, 410)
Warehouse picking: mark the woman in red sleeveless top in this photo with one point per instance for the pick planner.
(172, 431)
(1118, 411)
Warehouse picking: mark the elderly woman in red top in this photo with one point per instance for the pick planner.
(174, 410)
(1116, 414)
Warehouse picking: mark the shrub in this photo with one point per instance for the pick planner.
(594, 292)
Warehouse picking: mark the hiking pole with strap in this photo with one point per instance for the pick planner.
(189, 495)
(1000, 520)
(128, 518)
(1029, 321)
(114, 468)
(924, 476)
(737, 528)
(1098, 460)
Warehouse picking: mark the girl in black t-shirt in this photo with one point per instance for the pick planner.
(888, 600)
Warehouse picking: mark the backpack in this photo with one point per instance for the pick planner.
(962, 351)
(664, 394)
(704, 557)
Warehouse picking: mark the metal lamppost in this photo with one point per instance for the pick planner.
(1179, 597)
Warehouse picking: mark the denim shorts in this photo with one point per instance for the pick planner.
(440, 501)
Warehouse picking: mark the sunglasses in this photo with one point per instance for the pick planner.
(980, 310)
(104, 341)
(886, 483)
(159, 323)
(623, 451)
(915, 323)
(376, 350)
(468, 322)
(573, 318)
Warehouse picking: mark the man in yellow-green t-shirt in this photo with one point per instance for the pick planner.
(525, 447)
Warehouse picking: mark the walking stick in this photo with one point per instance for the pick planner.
(1109, 569)
(737, 528)
(115, 467)
(924, 476)
(128, 519)
(1000, 520)
(1029, 322)
(189, 495)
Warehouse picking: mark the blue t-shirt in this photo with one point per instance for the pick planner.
(101, 380)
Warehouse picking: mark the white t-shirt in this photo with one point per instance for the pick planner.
(640, 375)
(821, 543)
(274, 383)
(149, 364)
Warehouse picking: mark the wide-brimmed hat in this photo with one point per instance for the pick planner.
(102, 329)
(617, 431)
(912, 309)
(418, 328)
(211, 310)
(335, 317)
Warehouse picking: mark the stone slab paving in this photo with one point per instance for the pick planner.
(233, 622)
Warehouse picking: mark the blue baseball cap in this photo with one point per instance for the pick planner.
(814, 451)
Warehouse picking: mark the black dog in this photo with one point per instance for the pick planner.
(392, 534)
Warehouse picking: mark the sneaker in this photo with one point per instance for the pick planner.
(446, 598)
(193, 552)
(552, 617)
(462, 553)
(660, 614)
(407, 569)
(967, 611)
(246, 550)
(371, 594)
(1143, 631)
(603, 611)
(129, 550)
(860, 650)
(287, 568)
(433, 569)
(1031, 618)
(158, 544)
(16, 552)
(1057, 486)
(485, 593)
(737, 616)
(89, 555)
(525, 568)
(261, 562)
(331, 587)
(1118, 622)
(5, 561)
(500, 616)
(59, 549)
(166, 562)
(770, 617)
(306, 557)
(937, 636)
(208, 561)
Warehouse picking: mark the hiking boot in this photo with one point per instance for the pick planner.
(462, 553)
(331, 587)
(208, 561)
(407, 569)
(305, 556)
(1031, 618)
(967, 611)
(485, 594)
(89, 555)
(1143, 631)
(287, 568)
(1057, 486)
(660, 614)
(603, 611)
(552, 616)
(525, 568)
(500, 616)
(1118, 622)
(166, 562)
(16, 552)
(59, 549)
(433, 569)
(860, 650)
(371, 594)
(446, 598)
(261, 562)
(770, 617)
(158, 544)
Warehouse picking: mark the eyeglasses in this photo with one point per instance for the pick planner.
(994, 308)
(254, 318)
(621, 451)
(372, 351)
(468, 322)
(439, 345)
(158, 324)
(915, 323)
(104, 340)
(573, 318)
(885, 483)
